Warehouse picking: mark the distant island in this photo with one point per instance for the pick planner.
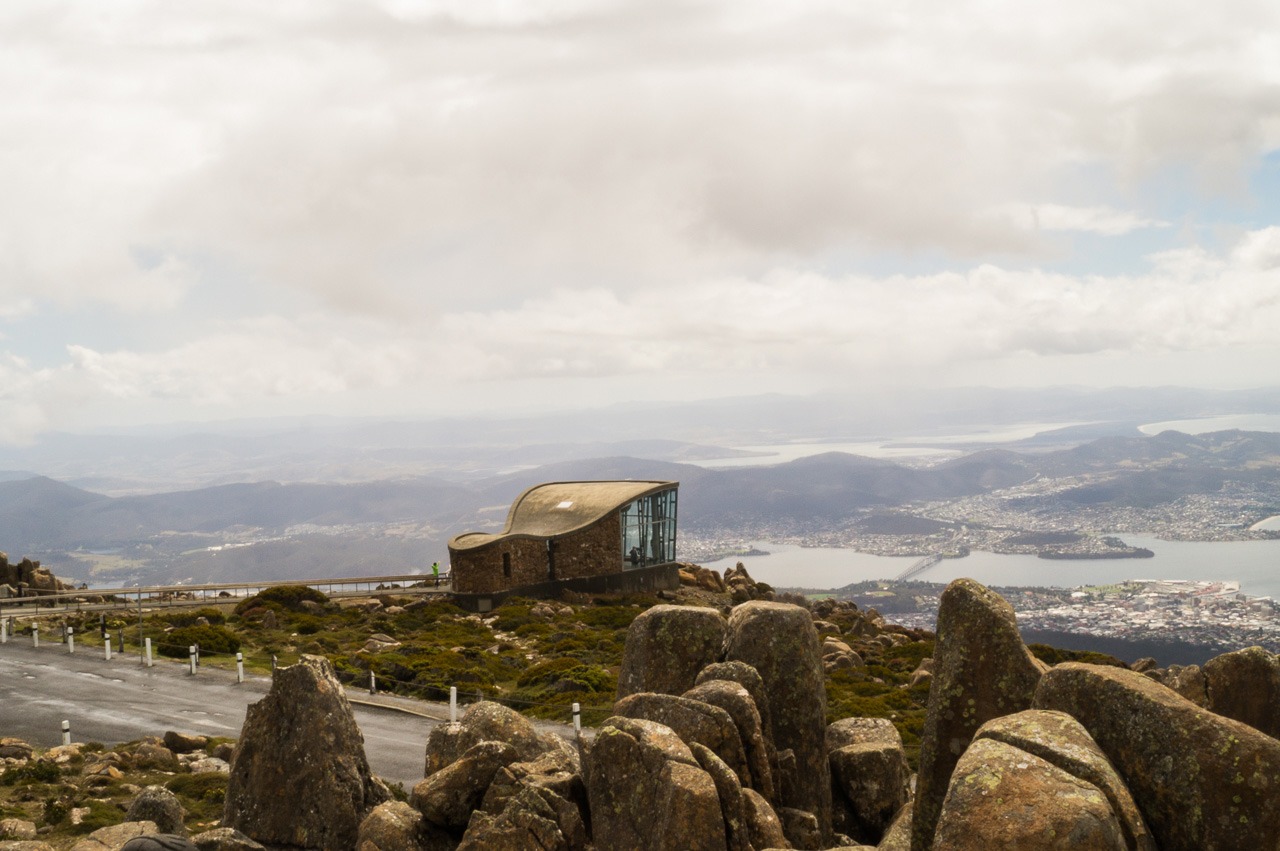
(1131, 552)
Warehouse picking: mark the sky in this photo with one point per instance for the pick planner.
(214, 210)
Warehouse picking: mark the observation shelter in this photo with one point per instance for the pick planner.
(584, 536)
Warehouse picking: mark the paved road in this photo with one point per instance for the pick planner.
(120, 700)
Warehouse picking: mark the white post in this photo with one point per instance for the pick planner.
(577, 720)
(373, 684)
(71, 639)
(4, 631)
(35, 635)
(239, 667)
(453, 704)
(106, 648)
(66, 732)
(192, 651)
(146, 650)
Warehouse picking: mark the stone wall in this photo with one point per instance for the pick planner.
(593, 551)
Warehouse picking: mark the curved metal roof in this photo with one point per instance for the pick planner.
(557, 508)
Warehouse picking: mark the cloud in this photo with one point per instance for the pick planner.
(1057, 217)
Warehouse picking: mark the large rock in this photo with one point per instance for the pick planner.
(113, 837)
(737, 701)
(1188, 681)
(666, 648)
(1003, 797)
(1202, 781)
(763, 825)
(873, 782)
(299, 775)
(157, 804)
(1245, 685)
(729, 789)
(225, 839)
(1059, 739)
(648, 792)
(693, 721)
(747, 677)
(448, 797)
(396, 826)
(484, 721)
(862, 731)
(534, 818)
(982, 670)
(779, 641)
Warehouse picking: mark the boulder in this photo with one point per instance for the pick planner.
(11, 748)
(667, 646)
(449, 796)
(729, 790)
(747, 677)
(861, 731)
(157, 804)
(114, 837)
(389, 826)
(25, 845)
(763, 825)
(17, 829)
(225, 839)
(1202, 781)
(982, 670)
(1003, 797)
(185, 742)
(299, 775)
(149, 755)
(872, 780)
(801, 828)
(1245, 685)
(693, 721)
(646, 790)
(898, 836)
(1060, 740)
(535, 817)
(1189, 682)
(737, 701)
(779, 641)
(484, 721)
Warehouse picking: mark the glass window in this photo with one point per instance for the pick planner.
(649, 530)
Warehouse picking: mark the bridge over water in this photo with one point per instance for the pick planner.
(919, 567)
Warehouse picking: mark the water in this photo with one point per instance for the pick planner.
(1202, 425)
(1254, 564)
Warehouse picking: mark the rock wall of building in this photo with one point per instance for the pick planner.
(593, 551)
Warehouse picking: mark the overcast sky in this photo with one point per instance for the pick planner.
(224, 209)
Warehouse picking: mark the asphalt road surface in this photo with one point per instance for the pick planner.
(120, 701)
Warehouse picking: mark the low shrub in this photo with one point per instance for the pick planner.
(211, 639)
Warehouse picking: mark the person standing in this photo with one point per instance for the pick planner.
(435, 571)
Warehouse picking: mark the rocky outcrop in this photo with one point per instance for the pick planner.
(449, 796)
(738, 703)
(225, 839)
(871, 781)
(1245, 685)
(299, 776)
(113, 838)
(742, 588)
(485, 721)
(694, 722)
(1202, 781)
(1003, 797)
(779, 641)
(666, 648)
(1187, 681)
(535, 817)
(747, 677)
(1060, 740)
(647, 790)
(28, 577)
(982, 670)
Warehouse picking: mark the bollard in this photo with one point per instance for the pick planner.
(102, 624)
(197, 655)
(35, 635)
(146, 651)
(453, 704)
(121, 634)
(4, 631)
(273, 663)
(239, 667)
(192, 652)
(106, 649)
(66, 732)
(373, 684)
(71, 639)
(577, 720)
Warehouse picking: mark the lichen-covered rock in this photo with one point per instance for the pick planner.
(157, 804)
(693, 721)
(535, 817)
(898, 836)
(299, 775)
(872, 779)
(1060, 740)
(1245, 685)
(861, 731)
(25, 845)
(801, 828)
(484, 721)
(1202, 781)
(666, 648)
(11, 748)
(113, 837)
(225, 839)
(982, 670)
(390, 826)
(185, 742)
(763, 825)
(779, 641)
(14, 829)
(648, 792)
(729, 790)
(554, 771)
(1188, 681)
(734, 699)
(448, 797)
(1003, 797)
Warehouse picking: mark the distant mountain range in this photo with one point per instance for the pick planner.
(266, 529)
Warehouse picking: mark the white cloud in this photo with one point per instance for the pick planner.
(1057, 217)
